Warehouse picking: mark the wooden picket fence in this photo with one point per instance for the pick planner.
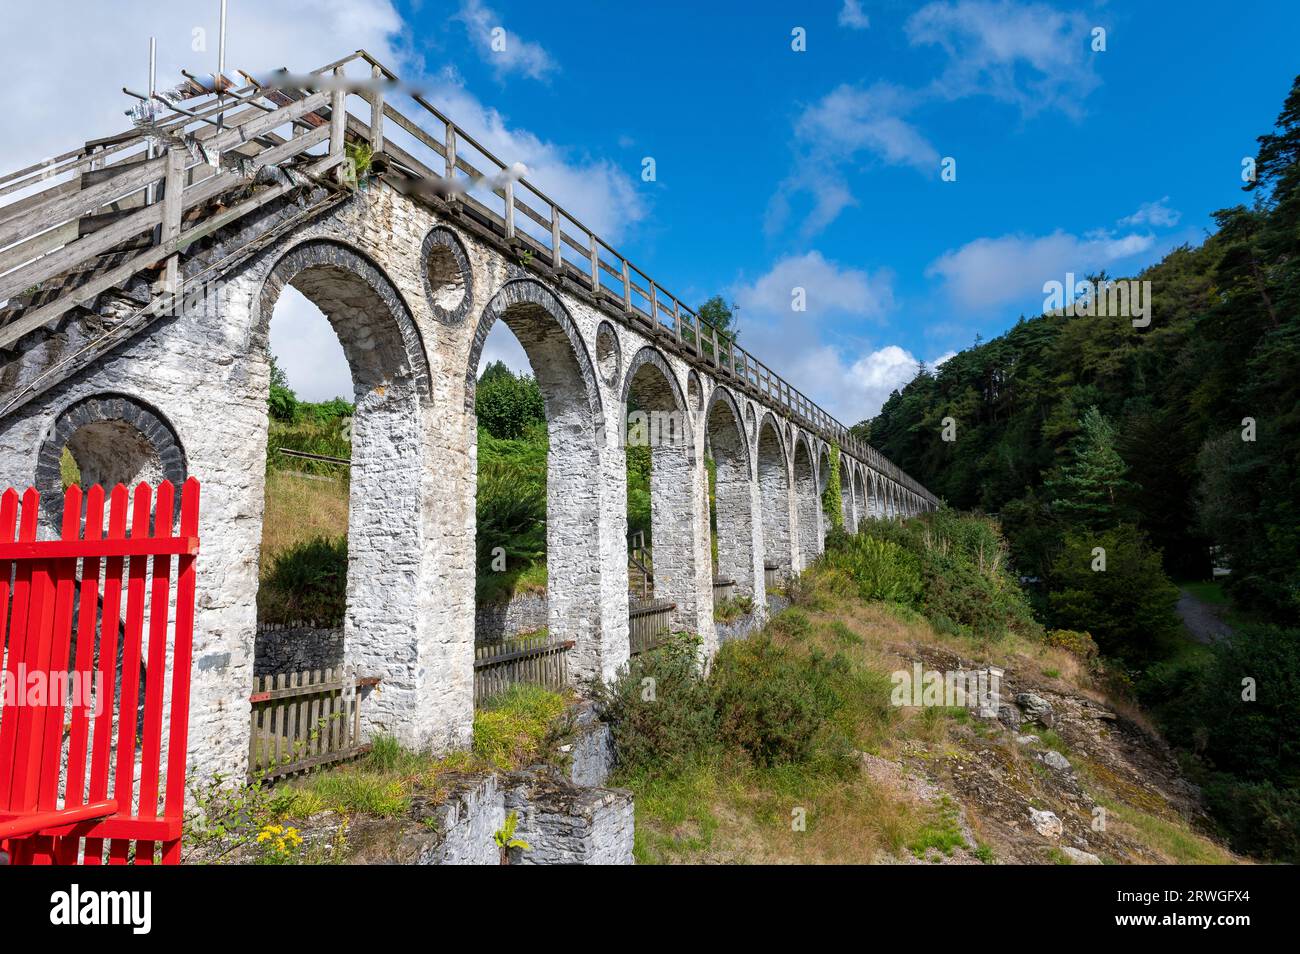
(303, 720)
(648, 622)
(533, 659)
(773, 578)
(87, 779)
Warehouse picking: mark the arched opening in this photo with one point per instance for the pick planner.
(733, 508)
(342, 536)
(557, 517)
(774, 491)
(848, 509)
(823, 481)
(859, 496)
(661, 478)
(106, 439)
(808, 504)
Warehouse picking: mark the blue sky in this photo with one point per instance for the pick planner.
(775, 168)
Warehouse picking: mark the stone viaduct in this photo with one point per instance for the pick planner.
(137, 338)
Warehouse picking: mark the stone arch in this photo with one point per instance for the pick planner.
(657, 414)
(570, 390)
(535, 312)
(859, 496)
(380, 339)
(733, 492)
(387, 532)
(823, 470)
(774, 493)
(114, 439)
(448, 277)
(657, 393)
(609, 354)
(848, 508)
(808, 505)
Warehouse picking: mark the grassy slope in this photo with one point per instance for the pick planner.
(936, 784)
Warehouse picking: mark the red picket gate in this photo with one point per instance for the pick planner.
(57, 724)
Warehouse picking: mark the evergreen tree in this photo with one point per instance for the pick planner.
(1085, 490)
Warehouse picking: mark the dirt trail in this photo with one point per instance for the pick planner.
(1201, 619)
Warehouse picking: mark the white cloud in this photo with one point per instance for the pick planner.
(63, 62)
(829, 290)
(996, 271)
(1027, 54)
(601, 194)
(308, 350)
(504, 50)
(852, 387)
(60, 87)
(502, 345)
(832, 134)
(848, 380)
(851, 16)
(1156, 214)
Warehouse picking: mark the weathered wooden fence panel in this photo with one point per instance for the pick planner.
(773, 579)
(648, 622)
(723, 590)
(536, 660)
(302, 720)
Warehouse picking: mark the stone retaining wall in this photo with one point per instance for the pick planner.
(522, 614)
(296, 647)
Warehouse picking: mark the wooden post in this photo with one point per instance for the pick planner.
(627, 288)
(595, 265)
(377, 111)
(338, 122)
(557, 250)
(173, 186)
(654, 301)
(510, 209)
(450, 169)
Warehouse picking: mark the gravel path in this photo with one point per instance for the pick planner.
(1201, 619)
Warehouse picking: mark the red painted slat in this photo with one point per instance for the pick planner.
(8, 526)
(50, 549)
(178, 744)
(83, 667)
(156, 672)
(100, 755)
(124, 784)
(13, 755)
(48, 726)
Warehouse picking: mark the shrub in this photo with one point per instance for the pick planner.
(308, 581)
(1260, 739)
(1259, 818)
(508, 405)
(1128, 607)
(773, 702)
(660, 709)
(1072, 641)
(511, 503)
(882, 569)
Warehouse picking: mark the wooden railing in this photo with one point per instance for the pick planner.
(537, 660)
(303, 720)
(44, 234)
(773, 578)
(648, 622)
